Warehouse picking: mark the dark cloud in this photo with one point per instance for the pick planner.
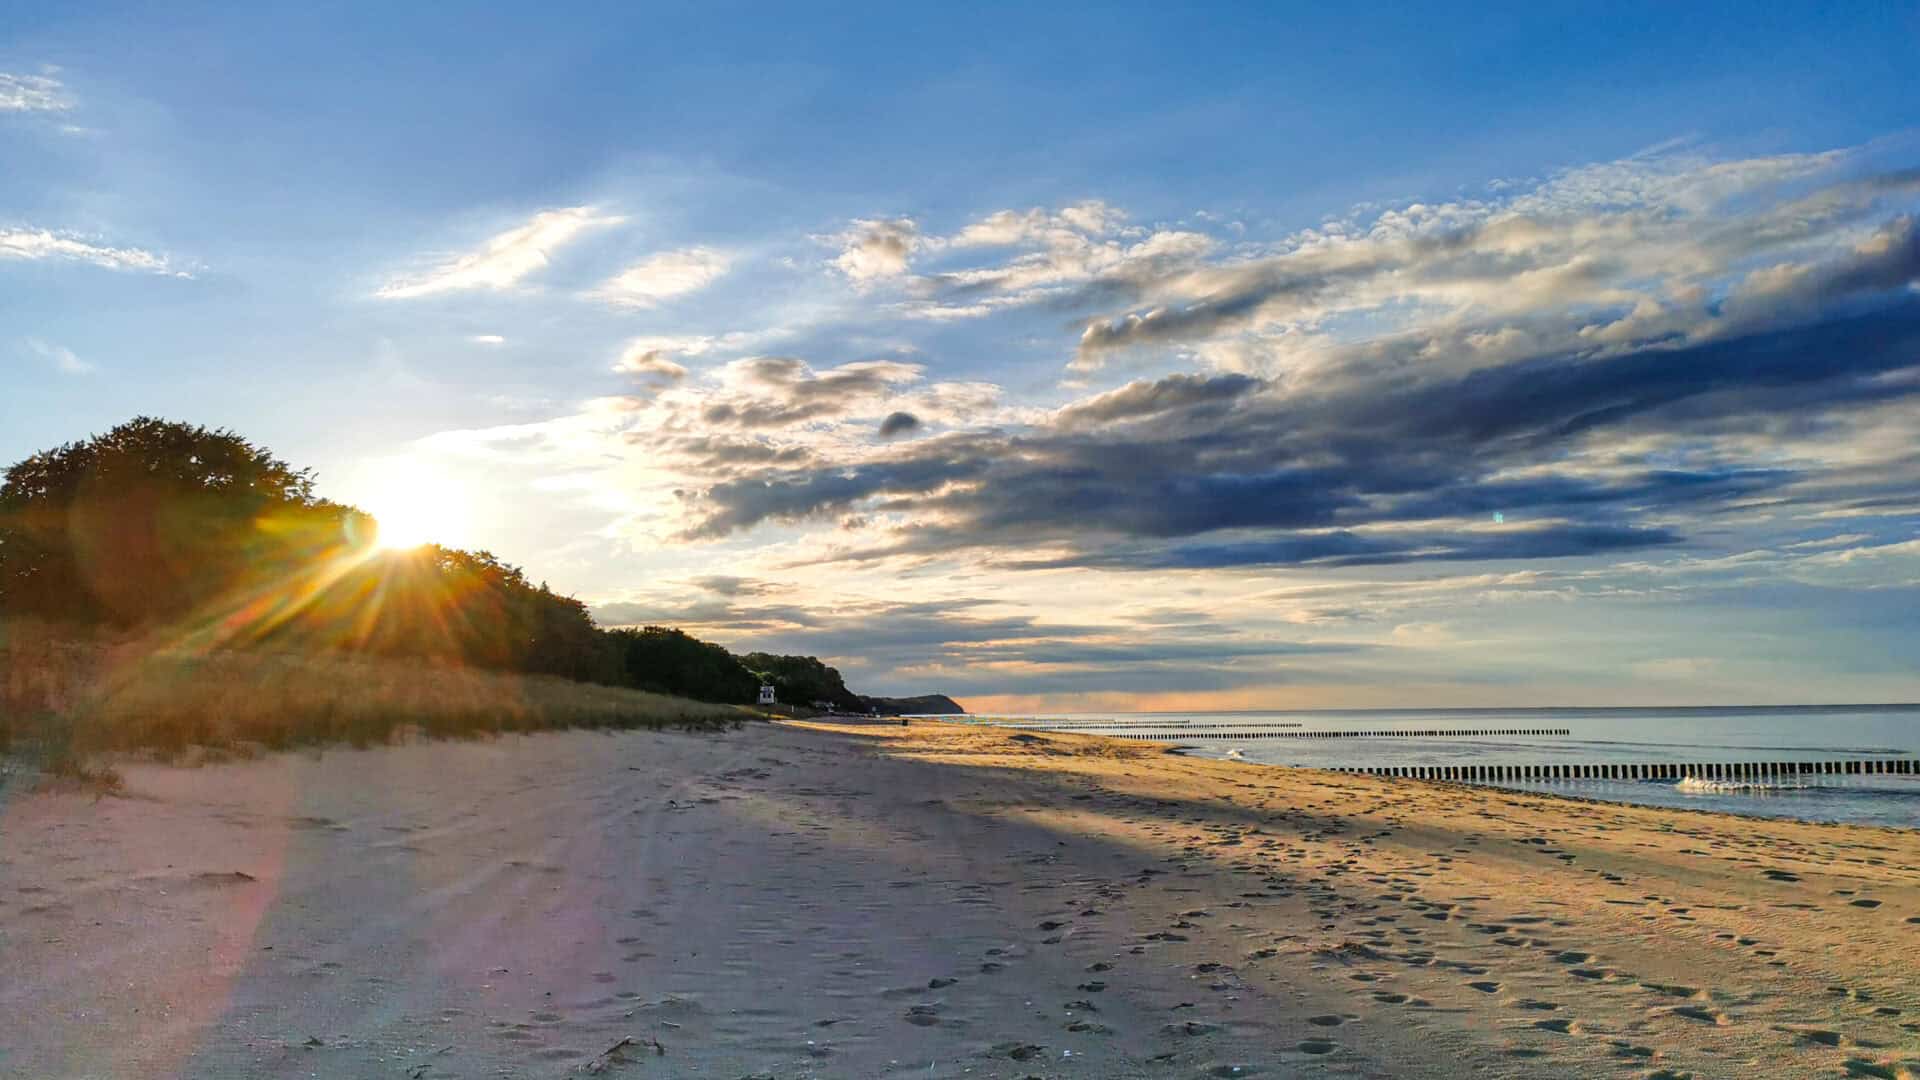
(1144, 398)
(1343, 548)
(1314, 469)
(712, 454)
(898, 423)
(796, 494)
(1241, 296)
(727, 585)
(770, 392)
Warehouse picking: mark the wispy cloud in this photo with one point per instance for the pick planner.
(664, 276)
(63, 359)
(32, 93)
(506, 258)
(35, 244)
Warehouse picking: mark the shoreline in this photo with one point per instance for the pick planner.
(815, 899)
(1462, 785)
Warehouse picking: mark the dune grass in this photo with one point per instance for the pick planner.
(65, 701)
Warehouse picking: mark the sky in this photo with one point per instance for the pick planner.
(1054, 357)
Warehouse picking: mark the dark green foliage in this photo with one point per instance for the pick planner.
(672, 662)
(803, 680)
(140, 523)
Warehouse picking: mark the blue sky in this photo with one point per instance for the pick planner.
(1052, 356)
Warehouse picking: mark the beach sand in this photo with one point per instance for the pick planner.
(935, 900)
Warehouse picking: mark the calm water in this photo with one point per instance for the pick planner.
(1683, 735)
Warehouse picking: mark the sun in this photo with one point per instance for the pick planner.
(415, 506)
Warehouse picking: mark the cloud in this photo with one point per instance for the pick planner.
(1008, 227)
(506, 258)
(875, 249)
(32, 93)
(1625, 236)
(1313, 475)
(1080, 245)
(898, 423)
(780, 391)
(487, 339)
(663, 276)
(37, 244)
(1346, 548)
(63, 359)
(643, 360)
(1145, 398)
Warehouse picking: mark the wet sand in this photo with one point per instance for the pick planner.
(813, 900)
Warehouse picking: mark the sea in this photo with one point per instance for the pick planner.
(1686, 735)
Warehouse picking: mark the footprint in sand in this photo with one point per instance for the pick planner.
(1564, 1027)
(1863, 1067)
(1317, 1046)
(1815, 1036)
(1486, 987)
(1705, 1016)
(1329, 1020)
(1190, 1028)
(1675, 990)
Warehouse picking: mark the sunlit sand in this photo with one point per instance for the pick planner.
(933, 900)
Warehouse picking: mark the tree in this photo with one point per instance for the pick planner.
(673, 662)
(141, 522)
(803, 680)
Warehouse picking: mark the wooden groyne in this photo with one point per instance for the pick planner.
(1184, 734)
(1758, 772)
(1087, 727)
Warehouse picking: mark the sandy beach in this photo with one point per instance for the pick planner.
(848, 901)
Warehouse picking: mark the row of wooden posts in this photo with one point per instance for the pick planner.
(1739, 771)
(1085, 726)
(1184, 734)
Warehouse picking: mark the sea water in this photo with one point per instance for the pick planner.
(1612, 736)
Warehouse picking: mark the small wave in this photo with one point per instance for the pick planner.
(1700, 786)
(1235, 755)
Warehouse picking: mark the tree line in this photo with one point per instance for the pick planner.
(209, 538)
